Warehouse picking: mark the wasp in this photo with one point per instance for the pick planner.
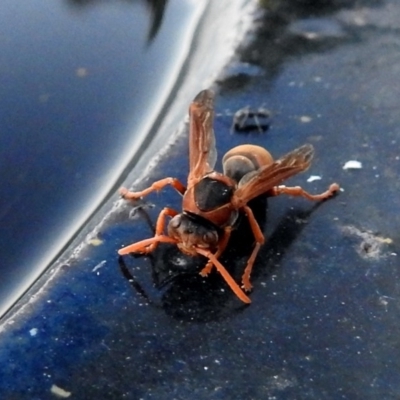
(212, 201)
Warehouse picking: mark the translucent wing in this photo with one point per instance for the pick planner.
(261, 181)
(202, 150)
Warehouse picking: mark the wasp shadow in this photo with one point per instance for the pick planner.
(182, 293)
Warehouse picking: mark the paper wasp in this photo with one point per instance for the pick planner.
(212, 201)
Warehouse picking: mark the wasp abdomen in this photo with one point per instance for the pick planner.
(243, 159)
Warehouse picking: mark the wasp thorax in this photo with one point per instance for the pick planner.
(211, 193)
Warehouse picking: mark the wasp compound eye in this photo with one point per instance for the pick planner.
(176, 221)
(210, 237)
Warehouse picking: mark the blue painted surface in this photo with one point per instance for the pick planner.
(324, 317)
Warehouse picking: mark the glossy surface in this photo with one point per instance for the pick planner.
(82, 84)
(324, 318)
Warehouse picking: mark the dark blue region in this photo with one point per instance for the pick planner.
(79, 80)
(315, 327)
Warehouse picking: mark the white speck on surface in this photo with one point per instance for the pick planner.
(81, 72)
(313, 178)
(352, 164)
(382, 301)
(95, 241)
(33, 331)
(60, 392)
(99, 265)
(305, 119)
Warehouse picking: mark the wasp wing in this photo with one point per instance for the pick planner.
(261, 181)
(202, 149)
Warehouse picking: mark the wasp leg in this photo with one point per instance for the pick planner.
(225, 274)
(258, 235)
(165, 212)
(299, 191)
(142, 246)
(158, 185)
(221, 247)
(161, 224)
(148, 245)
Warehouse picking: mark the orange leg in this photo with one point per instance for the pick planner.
(299, 191)
(166, 211)
(148, 245)
(259, 241)
(225, 274)
(143, 245)
(221, 247)
(158, 185)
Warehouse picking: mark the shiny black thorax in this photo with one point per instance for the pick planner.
(210, 198)
(210, 194)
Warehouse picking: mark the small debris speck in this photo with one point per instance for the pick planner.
(81, 72)
(313, 178)
(305, 119)
(99, 265)
(352, 164)
(95, 241)
(60, 392)
(33, 331)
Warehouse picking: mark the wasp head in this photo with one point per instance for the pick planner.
(191, 232)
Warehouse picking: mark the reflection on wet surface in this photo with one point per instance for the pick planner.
(81, 83)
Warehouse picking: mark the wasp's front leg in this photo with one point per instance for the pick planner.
(225, 274)
(223, 242)
(156, 186)
(148, 245)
